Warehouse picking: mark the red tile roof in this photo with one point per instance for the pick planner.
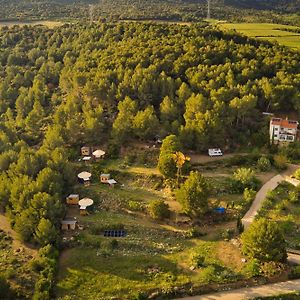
(285, 123)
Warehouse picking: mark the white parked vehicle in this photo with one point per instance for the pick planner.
(215, 152)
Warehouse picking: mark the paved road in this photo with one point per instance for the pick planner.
(294, 258)
(260, 197)
(252, 292)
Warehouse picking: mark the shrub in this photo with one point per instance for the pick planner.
(194, 233)
(113, 149)
(297, 174)
(249, 195)
(130, 158)
(48, 260)
(158, 209)
(252, 268)
(280, 161)
(244, 178)
(264, 164)
(239, 225)
(96, 229)
(5, 290)
(198, 260)
(295, 273)
(227, 234)
(294, 196)
(271, 268)
(135, 205)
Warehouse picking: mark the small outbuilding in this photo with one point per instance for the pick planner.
(104, 178)
(72, 199)
(98, 154)
(87, 159)
(68, 224)
(85, 151)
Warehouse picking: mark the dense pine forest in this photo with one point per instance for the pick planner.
(110, 84)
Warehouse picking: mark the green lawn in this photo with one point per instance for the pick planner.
(266, 31)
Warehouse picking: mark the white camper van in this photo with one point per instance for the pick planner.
(215, 152)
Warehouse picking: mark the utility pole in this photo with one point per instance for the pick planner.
(208, 9)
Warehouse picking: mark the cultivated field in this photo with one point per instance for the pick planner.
(50, 24)
(267, 31)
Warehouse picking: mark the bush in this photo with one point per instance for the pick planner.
(252, 268)
(295, 273)
(130, 158)
(158, 209)
(294, 196)
(5, 291)
(249, 195)
(198, 261)
(135, 205)
(280, 161)
(244, 178)
(96, 229)
(48, 261)
(264, 164)
(297, 174)
(194, 233)
(271, 268)
(227, 234)
(113, 149)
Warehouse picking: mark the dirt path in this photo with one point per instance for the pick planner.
(261, 194)
(252, 292)
(16, 244)
(200, 158)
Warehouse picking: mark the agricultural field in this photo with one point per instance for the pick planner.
(49, 24)
(266, 31)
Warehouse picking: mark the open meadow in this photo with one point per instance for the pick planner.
(267, 31)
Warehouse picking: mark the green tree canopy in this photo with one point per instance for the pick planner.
(166, 162)
(193, 195)
(264, 241)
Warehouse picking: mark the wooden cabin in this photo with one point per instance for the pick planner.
(68, 224)
(73, 199)
(104, 178)
(85, 151)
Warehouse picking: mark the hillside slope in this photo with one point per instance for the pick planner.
(278, 5)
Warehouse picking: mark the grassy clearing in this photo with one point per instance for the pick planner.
(266, 31)
(150, 258)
